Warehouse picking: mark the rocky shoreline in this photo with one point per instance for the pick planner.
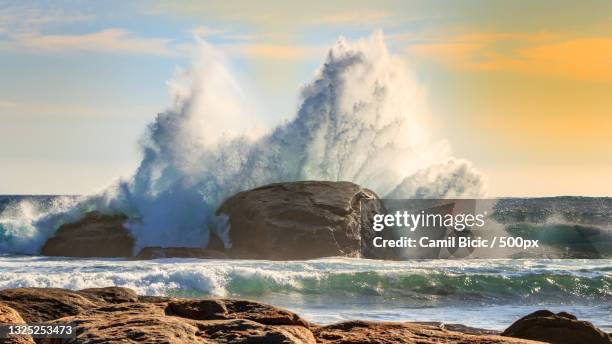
(119, 315)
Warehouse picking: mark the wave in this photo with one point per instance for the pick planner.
(361, 119)
(417, 283)
(26, 222)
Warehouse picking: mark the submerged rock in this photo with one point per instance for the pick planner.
(95, 235)
(297, 220)
(560, 328)
(112, 315)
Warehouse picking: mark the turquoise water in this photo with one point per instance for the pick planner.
(482, 293)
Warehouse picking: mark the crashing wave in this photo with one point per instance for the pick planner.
(360, 120)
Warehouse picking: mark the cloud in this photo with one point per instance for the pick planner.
(588, 58)
(118, 41)
(24, 27)
(24, 18)
(558, 55)
(106, 41)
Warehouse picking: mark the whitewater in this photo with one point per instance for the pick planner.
(481, 293)
(361, 119)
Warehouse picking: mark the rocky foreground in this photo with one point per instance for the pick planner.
(119, 315)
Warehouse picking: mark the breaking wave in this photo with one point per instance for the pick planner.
(361, 119)
(419, 283)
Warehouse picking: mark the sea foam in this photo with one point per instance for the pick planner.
(361, 119)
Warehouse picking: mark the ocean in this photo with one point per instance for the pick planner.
(488, 293)
(484, 293)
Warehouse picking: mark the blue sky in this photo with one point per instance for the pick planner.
(520, 88)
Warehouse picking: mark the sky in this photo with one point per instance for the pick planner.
(523, 89)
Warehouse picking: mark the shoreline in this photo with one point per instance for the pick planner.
(115, 314)
(489, 295)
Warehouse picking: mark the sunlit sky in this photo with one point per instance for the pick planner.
(523, 89)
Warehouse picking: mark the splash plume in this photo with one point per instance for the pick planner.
(360, 119)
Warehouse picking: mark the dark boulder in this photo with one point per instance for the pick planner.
(284, 221)
(95, 235)
(560, 328)
(297, 220)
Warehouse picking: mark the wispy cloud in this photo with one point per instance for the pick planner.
(559, 55)
(25, 27)
(106, 41)
(24, 17)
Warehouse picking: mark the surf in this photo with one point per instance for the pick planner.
(360, 119)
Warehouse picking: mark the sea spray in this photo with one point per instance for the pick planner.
(360, 119)
(26, 223)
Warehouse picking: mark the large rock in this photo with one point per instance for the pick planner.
(217, 309)
(111, 294)
(95, 235)
(10, 316)
(298, 220)
(118, 315)
(560, 328)
(284, 221)
(44, 304)
(370, 332)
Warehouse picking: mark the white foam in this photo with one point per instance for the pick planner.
(360, 119)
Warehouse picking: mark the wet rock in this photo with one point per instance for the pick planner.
(95, 235)
(560, 328)
(298, 220)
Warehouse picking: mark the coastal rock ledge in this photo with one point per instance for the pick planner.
(119, 315)
(281, 221)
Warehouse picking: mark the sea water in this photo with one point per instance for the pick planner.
(488, 293)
